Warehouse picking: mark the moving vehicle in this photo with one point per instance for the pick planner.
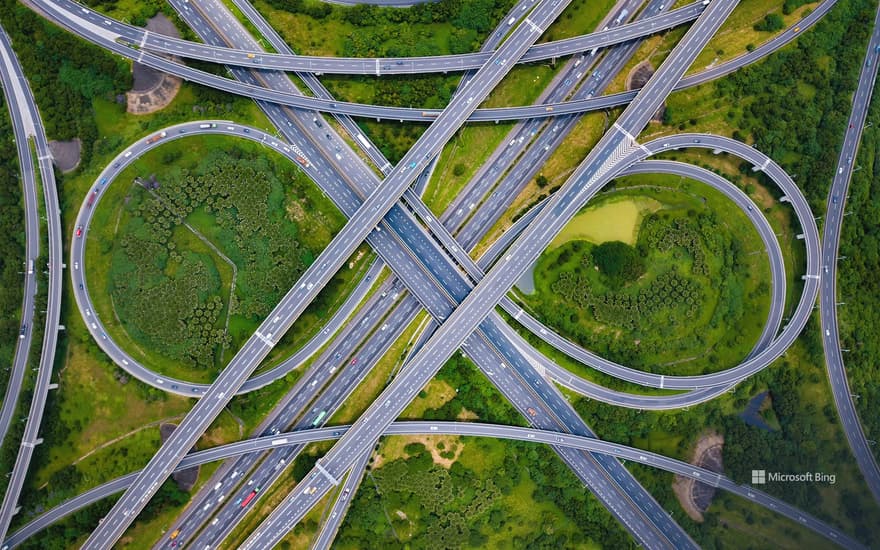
(157, 137)
(174, 534)
(79, 231)
(248, 499)
(22, 332)
(318, 419)
(364, 141)
(532, 412)
(92, 198)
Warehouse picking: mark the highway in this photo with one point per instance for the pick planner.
(834, 215)
(229, 26)
(452, 428)
(288, 61)
(643, 497)
(333, 519)
(316, 276)
(497, 282)
(707, 390)
(68, 15)
(575, 352)
(23, 128)
(24, 102)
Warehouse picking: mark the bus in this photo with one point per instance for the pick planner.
(249, 498)
(319, 418)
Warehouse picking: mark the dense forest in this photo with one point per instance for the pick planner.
(65, 73)
(166, 292)
(796, 102)
(12, 260)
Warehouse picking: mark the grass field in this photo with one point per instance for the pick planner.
(613, 220)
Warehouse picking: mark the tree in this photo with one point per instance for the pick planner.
(618, 261)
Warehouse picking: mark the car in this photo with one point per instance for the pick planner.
(22, 332)
(696, 141)
(826, 269)
(354, 361)
(834, 199)
(75, 265)
(81, 286)
(827, 332)
(346, 492)
(79, 231)
(247, 130)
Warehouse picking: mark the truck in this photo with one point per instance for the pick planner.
(249, 498)
(428, 114)
(31, 266)
(157, 137)
(364, 141)
(621, 16)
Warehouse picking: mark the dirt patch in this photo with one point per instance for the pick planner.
(444, 449)
(637, 77)
(152, 90)
(467, 415)
(694, 496)
(295, 211)
(185, 479)
(65, 154)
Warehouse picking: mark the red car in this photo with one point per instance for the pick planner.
(354, 361)
(79, 231)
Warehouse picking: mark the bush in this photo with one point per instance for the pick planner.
(771, 23)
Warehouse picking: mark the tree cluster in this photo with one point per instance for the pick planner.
(171, 297)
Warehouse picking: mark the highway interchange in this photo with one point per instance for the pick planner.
(433, 270)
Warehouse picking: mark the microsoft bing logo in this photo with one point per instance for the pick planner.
(759, 477)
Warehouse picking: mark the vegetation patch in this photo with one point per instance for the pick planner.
(12, 260)
(204, 253)
(493, 494)
(677, 296)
